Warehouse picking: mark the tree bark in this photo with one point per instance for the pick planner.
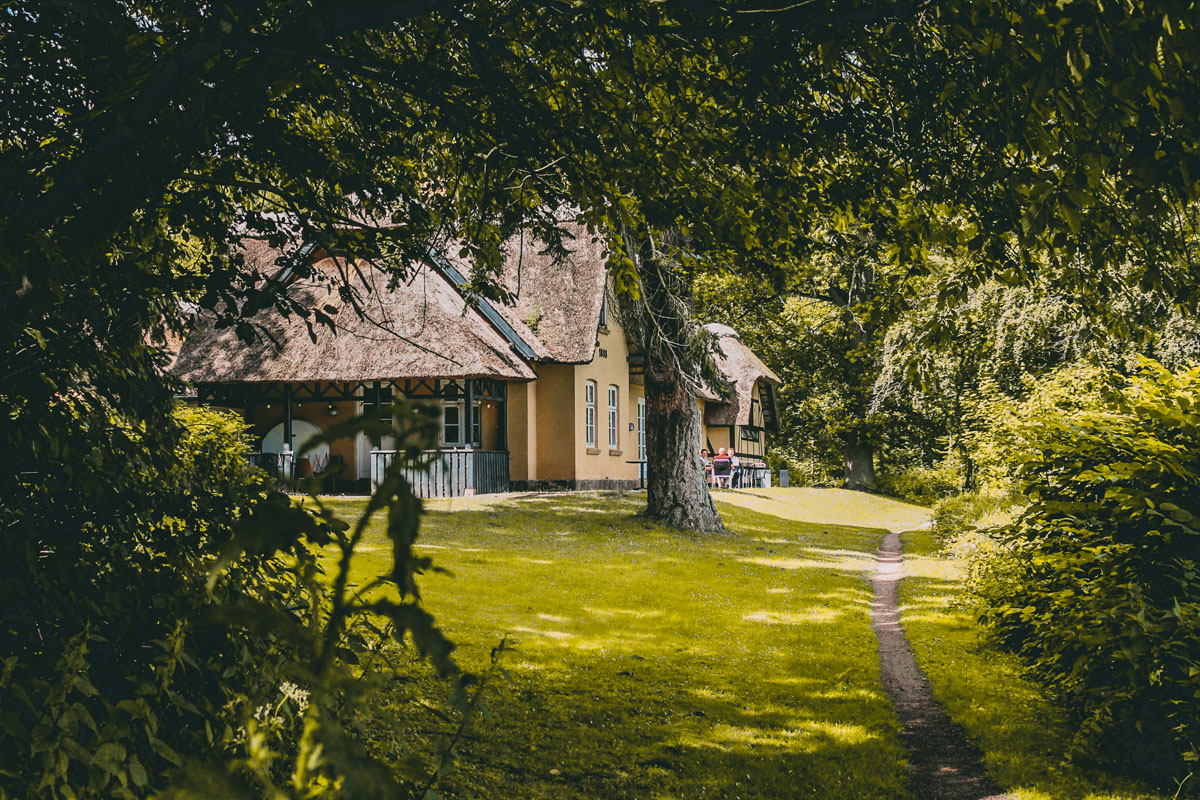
(676, 492)
(661, 323)
(858, 456)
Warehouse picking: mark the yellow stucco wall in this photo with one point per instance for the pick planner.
(610, 369)
(522, 430)
(555, 430)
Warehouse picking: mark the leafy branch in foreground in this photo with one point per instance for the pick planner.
(317, 757)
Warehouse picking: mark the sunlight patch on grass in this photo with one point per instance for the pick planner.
(831, 507)
(560, 635)
(794, 618)
(638, 613)
(824, 560)
(651, 663)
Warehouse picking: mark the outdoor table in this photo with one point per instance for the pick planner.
(641, 472)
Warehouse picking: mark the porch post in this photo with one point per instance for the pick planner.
(287, 415)
(502, 402)
(247, 403)
(470, 382)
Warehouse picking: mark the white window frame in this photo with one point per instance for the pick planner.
(614, 418)
(641, 429)
(589, 413)
(460, 440)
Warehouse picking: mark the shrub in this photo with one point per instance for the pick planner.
(117, 664)
(921, 485)
(167, 629)
(952, 516)
(1099, 587)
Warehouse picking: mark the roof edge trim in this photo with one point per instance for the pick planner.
(486, 310)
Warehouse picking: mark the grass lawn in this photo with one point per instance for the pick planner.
(823, 506)
(1021, 735)
(651, 664)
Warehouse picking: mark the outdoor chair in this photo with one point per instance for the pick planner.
(334, 466)
(721, 474)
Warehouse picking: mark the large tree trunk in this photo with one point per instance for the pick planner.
(858, 456)
(660, 320)
(968, 481)
(676, 493)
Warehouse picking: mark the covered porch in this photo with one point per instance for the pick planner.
(472, 449)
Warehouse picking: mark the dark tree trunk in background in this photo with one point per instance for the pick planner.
(968, 481)
(859, 459)
(676, 492)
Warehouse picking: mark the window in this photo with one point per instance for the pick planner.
(641, 428)
(613, 434)
(589, 413)
(452, 428)
(604, 313)
(476, 424)
(750, 434)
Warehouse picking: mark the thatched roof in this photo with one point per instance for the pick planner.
(422, 328)
(557, 307)
(743, 369)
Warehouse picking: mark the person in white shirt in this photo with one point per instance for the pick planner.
(735, 466)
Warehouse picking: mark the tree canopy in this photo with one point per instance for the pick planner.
(140, 141)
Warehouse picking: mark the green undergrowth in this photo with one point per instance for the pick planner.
(646, 663)
(1022, 736)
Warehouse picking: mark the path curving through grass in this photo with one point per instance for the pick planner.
(943, 765)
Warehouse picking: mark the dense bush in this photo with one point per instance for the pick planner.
(921, 485)
(1098, 589)
(1000, 422)
(110, 537)
(167, 628)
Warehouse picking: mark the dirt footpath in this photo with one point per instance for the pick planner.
(943, 765)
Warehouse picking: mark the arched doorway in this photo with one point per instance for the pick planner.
(302, 431)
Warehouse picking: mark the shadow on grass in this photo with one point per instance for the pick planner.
(643, 727)
(653, 663)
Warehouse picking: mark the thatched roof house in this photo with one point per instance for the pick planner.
(419, 328)
(533, 392)
(744, 370)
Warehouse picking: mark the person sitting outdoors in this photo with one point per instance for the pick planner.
(735, 469)
(721, 469)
